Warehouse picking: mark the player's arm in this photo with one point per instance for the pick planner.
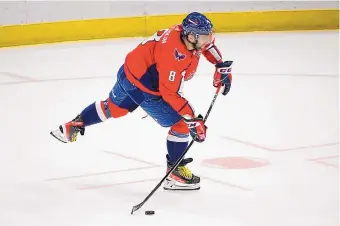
(223, 72)
(212, 54)
(170, 85)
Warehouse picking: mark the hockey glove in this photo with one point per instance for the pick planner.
(197, 128)
(223, 76)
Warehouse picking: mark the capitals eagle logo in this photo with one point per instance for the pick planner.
(179, 56)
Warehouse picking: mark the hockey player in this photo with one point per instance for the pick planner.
(152, 77)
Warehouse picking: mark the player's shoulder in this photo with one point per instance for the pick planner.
(171, 36)
(173, 45)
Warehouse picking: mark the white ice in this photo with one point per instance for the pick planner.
(283, 109)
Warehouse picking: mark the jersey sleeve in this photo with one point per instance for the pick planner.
(212, 54)
(170, 84)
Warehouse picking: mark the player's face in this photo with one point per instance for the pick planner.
(204, 40)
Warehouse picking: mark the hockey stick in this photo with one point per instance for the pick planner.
(137, 207)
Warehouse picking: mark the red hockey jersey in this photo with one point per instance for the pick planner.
(160, 64)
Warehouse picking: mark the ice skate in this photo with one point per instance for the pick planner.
(181, 178)
(68, 132)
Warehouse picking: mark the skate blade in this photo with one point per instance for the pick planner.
(172, 185)
(182, 189)
(59, 136)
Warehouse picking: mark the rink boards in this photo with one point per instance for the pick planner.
(66, 29)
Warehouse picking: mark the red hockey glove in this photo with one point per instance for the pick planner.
(197, 128)
(223, 76)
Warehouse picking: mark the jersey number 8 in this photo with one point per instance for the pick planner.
(172, 76)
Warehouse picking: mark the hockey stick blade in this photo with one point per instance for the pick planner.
(137, 207)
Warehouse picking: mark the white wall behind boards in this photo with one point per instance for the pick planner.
(26, 12)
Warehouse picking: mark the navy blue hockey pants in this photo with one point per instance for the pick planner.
(127, 96)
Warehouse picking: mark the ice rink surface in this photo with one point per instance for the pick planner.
(270, 159)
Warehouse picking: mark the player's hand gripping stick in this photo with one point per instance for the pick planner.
(223, 76)
(197, 128)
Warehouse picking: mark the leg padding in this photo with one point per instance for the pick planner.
(112, 110)
(177, 140)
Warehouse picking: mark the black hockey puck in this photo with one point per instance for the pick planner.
(149, 212)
